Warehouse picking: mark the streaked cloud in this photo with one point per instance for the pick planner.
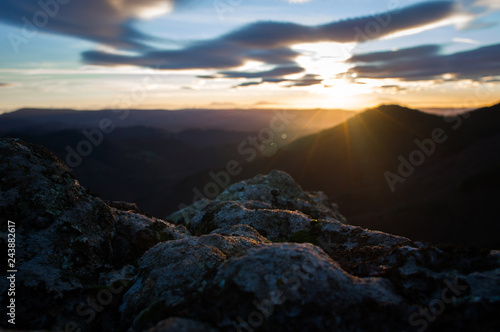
(492, 4)
(428, 63)
(276, 72)
(110, 22)
(306, 80)
(466, 41)
(271, 42)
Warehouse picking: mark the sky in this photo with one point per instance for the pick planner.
(175, 54)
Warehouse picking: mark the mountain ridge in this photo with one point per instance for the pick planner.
(245, 120)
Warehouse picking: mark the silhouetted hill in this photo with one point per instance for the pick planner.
(449, 197)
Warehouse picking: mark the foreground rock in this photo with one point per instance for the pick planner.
(65, 237)
(173, 270)
(264, 255)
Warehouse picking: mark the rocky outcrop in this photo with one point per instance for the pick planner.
(65, 237)
(276, 191)
(172, 270)
(264, 255)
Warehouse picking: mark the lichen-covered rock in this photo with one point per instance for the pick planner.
(277, 190)
(334, 236)
(135, 233)
(125, 206)
(65, 237)
(185, 215)
(272, 223)
(126, 273)
(286, 286)
(241, 230)
(170, 271)
(318, 279)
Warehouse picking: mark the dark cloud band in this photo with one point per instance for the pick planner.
(427, 63)
(107, 22)
(268, 42)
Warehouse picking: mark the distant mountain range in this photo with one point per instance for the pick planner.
(39, 121)
(147, 153)
(444, 191)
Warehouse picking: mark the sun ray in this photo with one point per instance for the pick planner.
(312, 149)
(298, 134)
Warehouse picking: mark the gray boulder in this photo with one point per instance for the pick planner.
(170, 271)
(276, 190)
